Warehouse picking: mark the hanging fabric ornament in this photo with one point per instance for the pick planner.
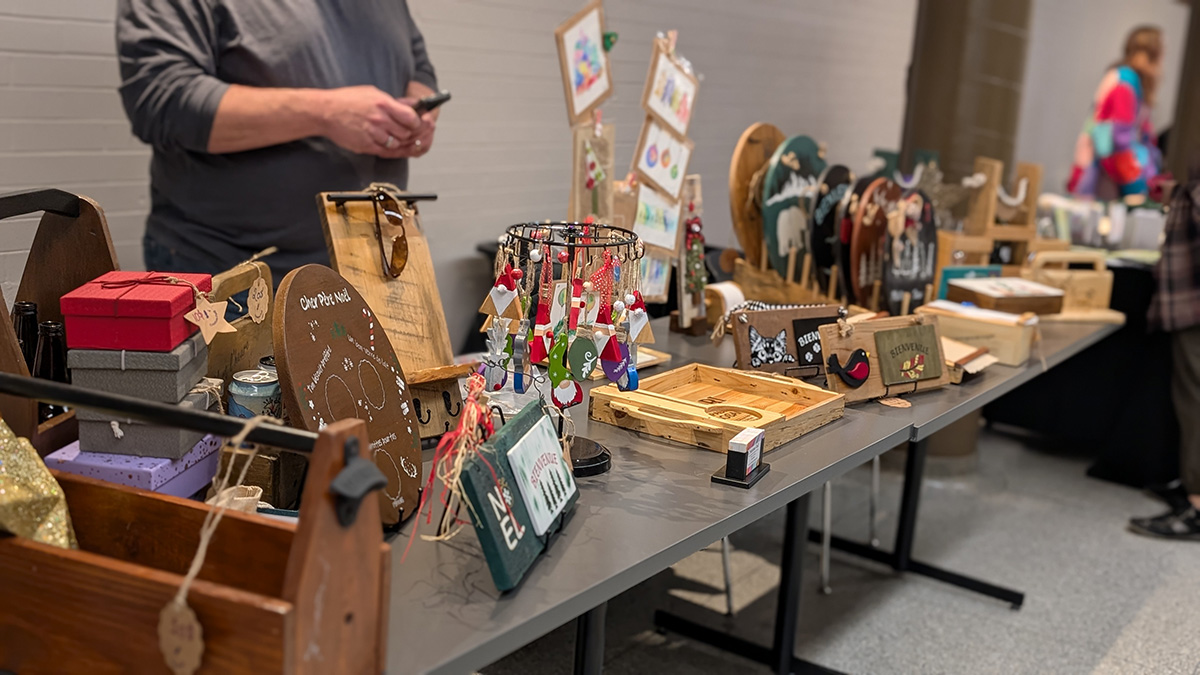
(501, 301)
(639, 321)
(695, 277)
(629, 347)
(539, 348)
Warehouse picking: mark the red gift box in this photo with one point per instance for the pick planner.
(138, 311)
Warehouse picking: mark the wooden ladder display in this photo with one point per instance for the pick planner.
(71, 247)
(409, 307)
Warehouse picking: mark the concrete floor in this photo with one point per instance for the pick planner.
(1098, 599)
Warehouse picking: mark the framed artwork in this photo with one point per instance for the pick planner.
(592, 174)
(656, 277)
(661, 158)
(587, 80)
(656, 220)
(670, 92)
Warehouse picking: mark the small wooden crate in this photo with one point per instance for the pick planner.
(707, 406)
(1007, 294)
(1082, 289)
(1009, 337)
(268, 597)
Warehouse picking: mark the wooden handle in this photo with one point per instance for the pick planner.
(238, 279)
(42, 199)
(1040, 258)
(641, 413)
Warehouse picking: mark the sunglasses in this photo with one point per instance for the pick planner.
(395, 215)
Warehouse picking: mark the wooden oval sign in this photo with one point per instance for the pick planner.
(335, 362)
(752, 153)
(787, 200)
(910, 252)
(845, 224)
(867, 238)
(832, 187)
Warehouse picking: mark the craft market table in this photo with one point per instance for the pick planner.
(655, 507)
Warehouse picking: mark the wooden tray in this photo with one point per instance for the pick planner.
(751, 154)
(707, 406)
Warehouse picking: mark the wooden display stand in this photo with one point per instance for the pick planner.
(230, 352)
(409, 307)
(71, 247)
(269, 596)
(861, 335)
(981, 232)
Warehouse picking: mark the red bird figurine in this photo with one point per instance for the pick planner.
(856, 370)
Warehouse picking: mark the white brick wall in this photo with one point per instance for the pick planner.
(61, 122)
(835, 71)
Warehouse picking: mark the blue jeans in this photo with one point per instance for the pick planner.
(160, 258)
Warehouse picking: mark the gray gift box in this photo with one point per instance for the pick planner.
(165, 377)
(131, 437)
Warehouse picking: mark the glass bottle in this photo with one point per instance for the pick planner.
(51, 363)
(25, 323)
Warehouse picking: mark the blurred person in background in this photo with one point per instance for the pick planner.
(1116, 156)
(252, 107)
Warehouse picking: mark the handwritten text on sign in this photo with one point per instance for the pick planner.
(322, 299)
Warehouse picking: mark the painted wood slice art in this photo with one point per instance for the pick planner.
(751, 154)
(787, 197)
(910, 252)
(845, 225)
(832, 187)
(868, 236)
(335, 362)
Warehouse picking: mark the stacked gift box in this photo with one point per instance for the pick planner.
(126, 334)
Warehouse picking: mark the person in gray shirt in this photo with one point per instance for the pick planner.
(252, 107)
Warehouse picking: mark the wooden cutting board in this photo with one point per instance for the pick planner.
(910, 254)
(751, 153)
(868, 236)
(335, 362)
(409, 307)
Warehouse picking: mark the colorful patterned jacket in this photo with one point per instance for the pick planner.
(1117, 144)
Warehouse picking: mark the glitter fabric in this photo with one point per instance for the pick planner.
(32, 505)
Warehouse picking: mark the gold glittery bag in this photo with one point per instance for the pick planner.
(32, 505)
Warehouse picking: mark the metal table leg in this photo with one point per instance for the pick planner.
(827, 528)
(589, 641)
(900, 557)
(780, 654)
(725, 569)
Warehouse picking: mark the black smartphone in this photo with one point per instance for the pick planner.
(431, 102)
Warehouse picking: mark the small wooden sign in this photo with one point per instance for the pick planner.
(782, 341)
(787, 193)
(853, 360)
(335, 362)
(909, 354)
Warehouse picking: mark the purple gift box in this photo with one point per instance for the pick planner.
(181, 478)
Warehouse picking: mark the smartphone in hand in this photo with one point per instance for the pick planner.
(431, 102)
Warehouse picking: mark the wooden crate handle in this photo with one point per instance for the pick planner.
(51, 200)
(1040, 258)
(637, 412)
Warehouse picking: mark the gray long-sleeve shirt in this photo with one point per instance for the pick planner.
(177, 59)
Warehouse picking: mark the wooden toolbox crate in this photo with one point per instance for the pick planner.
(707, 406)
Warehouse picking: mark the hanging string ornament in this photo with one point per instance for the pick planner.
(695, 278)
(454, 449)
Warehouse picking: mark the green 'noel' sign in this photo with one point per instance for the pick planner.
(502, 521)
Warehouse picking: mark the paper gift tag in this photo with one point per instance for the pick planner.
(210, 317)
(180, 638)
(256, 301)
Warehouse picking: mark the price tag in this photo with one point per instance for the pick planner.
(180, 638)
(210, 317)
(256, 301)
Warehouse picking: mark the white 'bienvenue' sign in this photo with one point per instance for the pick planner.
(543, 477)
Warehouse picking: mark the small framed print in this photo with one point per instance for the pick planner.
(670, 92)
(592, 174)
(662, 158)
(656, 220)
(587, 80)
(656, 277)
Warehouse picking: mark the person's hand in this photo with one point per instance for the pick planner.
(422, 137)
(369, 121)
